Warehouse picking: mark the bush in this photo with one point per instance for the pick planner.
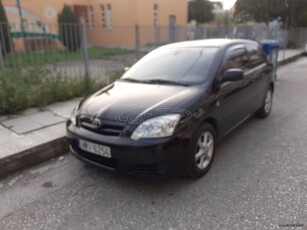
(291, 45)
(37, 87)
(69, 29)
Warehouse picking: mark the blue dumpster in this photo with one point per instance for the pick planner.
(271, 49)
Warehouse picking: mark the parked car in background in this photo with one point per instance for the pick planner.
(166, 114)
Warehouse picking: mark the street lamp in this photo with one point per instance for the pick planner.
(226, 23)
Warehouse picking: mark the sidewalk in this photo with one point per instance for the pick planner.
(33, 136)
(37, 135)
(288, 54)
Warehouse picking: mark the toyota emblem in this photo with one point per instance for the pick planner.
(96, 123)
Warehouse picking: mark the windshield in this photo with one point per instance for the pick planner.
(178, 65)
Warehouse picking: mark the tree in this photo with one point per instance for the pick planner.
(69, 29)
(289, 12)
(201, 11)
(219, 5)
(260, 10)
(297, 13)
(4, 32)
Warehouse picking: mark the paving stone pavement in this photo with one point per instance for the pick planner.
(33, 127)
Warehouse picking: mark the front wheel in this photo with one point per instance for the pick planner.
(202, 151)
(266, 107)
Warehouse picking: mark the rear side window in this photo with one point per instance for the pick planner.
(236, 58)
(256, 56)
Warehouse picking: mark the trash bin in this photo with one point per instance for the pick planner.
(271, 49)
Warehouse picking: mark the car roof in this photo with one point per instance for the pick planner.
(208, 43)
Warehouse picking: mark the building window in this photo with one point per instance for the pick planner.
(155, 14)
(85, 15)
(91, 18)
(109, 16)
(103, 16)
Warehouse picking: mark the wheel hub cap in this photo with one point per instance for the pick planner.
(268, 102)
(204, 150)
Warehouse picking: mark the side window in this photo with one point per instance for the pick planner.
(256, 57)
(236, 58)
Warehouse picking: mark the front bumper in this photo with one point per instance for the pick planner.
(163, 156)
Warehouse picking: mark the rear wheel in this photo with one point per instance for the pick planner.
(202, 151)
(266, 107)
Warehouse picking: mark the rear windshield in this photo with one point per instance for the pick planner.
(182, 65)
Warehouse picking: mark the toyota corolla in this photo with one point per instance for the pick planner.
(166, 114)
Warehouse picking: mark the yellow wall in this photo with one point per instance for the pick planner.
(130, 12)
(125, 15)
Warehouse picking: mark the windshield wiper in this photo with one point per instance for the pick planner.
(130, 80)
(161, 81)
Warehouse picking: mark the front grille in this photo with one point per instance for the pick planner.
(106, 128)
(151, 169)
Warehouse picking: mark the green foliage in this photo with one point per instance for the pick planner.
(39, 58)
(38, 87)
(260, 10)
(219, 4)
(200, 11)
(69, 29)
(298, 13)
(294, 14)
(114, 75)
(4, 32)
(222, 19)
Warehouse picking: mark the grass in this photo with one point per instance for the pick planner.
(54, 56)
(21, 89)
(25, 83)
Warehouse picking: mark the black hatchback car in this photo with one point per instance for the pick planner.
(168, 111)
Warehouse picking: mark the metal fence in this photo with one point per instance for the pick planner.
(294, 38)
(78, 50)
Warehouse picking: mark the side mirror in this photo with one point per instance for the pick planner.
(233, 75)
(126, 69)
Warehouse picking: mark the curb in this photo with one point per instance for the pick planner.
(32, 156)
(291, 59)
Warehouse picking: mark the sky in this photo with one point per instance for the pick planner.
(227, 3)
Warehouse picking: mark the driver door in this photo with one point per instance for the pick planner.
(233, 97)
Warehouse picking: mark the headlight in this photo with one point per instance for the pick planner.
(73, 116)
(162, 126)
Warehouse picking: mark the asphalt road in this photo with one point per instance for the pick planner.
(258, 181)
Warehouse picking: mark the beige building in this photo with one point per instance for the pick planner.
(109, 22)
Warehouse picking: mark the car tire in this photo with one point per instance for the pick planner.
(266, 107)
(202, 151)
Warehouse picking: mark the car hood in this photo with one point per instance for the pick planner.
(125, 101)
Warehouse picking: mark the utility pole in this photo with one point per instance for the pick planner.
(288, 14)
(21, 24)
(226, 24)
(287, 25)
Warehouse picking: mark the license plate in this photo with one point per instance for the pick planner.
(100, 150)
